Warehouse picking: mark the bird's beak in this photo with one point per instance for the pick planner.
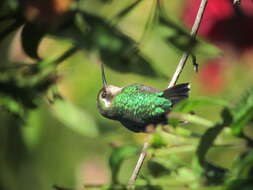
(103, 76)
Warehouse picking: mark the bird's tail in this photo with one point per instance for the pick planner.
(177, 92)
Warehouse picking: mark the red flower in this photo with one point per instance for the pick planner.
(211, 76)
(223, 24)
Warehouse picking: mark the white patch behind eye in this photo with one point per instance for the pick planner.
(111, 92)
(114, 89)
(106, 102)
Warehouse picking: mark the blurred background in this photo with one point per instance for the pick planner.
(51, 131)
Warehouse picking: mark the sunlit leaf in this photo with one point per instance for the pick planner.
(11, 105)
(174, 150)
(157, 140)
(207, 50)
(32, 131)
(116, 49)
(190, 105)
(180, 38)
(216, 187)
(75, 118)
(196, 102)
(242, 112)
(177, 35)
(176, 117)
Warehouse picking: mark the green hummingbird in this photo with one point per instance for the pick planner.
(136, 105)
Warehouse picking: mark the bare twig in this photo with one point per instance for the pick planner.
(194, 31)
(196, 25)
(131, 183)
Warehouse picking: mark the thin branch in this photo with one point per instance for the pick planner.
(126, 10)
(185, 55)
(131, 183)
(196, 25)
(68, 53)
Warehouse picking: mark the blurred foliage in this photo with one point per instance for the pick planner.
(242, 112)
(50, 131)
(117, 157)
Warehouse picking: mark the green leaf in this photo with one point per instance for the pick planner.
(117, 50)
(179, 37)
(32, 131)
(175, 118)
(207, 50)
(170, 161)
(31, 37)
(157, 141)
(210, 135)
(243, 166)
(11, 105)
(174, 150)
(176, 36)
(75, 118)
(242, 112)
(80, 22)
(118, 155)
(193, 103)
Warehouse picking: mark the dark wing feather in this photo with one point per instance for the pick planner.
(177, 92)
(133, 126)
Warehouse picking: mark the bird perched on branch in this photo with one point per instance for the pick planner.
(136, 106)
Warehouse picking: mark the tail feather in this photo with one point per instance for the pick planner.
(177, 92)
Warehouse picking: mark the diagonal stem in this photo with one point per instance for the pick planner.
(185, 55)
(138, 166)
(181, 64)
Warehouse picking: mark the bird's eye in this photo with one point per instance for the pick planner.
(104, 94)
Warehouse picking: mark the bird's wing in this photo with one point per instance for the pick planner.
(177, 92)
(141, 103)
(147, 89)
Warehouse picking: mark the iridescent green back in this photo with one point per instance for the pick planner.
(140, 105)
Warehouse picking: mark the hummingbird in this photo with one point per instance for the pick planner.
(136, 106)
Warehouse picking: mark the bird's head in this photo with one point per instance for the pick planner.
(105, 97)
